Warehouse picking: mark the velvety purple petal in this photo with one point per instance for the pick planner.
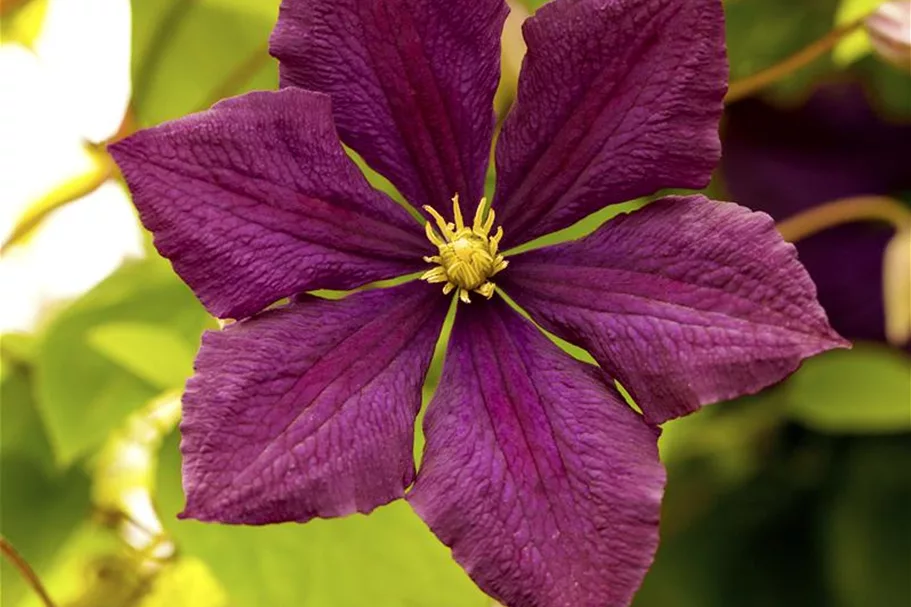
(617, 99)
(308, 410)
(412, 85)
(784, 161)
(686, 302)
(546, 485)
(255, 199)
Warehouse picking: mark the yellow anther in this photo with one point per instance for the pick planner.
(468, 256)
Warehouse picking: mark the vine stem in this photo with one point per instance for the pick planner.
(842, 211)
(8, 6)
(13, 556)
(758, 81)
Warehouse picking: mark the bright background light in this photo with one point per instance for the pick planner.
(70, 86)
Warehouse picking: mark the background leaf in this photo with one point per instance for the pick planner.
(39, 511)
(386, 559)
(24, 22)
(189, 583)
(856, 45)
(864, 390)
(156, 354)
(753, 544)
(188, 53)
(82, 394)
(22, 430)
(867, 530)
(761, 33)
(888, 88)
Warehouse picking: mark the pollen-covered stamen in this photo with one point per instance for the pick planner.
(468, 256)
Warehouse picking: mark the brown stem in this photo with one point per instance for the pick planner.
(127, 125)
(13, 556)
(8, 6)
(842, 211)
(752, 84)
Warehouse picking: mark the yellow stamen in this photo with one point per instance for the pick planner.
(468, 257)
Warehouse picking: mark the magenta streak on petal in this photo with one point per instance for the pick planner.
(412, 84)
(255, 200)
(617, 99)
(544, 483)
(686, 302)
(308, 410)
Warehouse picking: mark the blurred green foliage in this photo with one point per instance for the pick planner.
(798, 496)
(187, 55)
(386, 558)
(856, 45)
(864, 390)
(769, 32)
(84, 386)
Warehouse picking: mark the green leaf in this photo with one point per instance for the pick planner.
(731, 437)
(857, 44)
(387, 559)
(153, 353)
(188, 53)
(39, 511)
(762, 33)
(188, 582)
(22, 430)
(864, 390)
(888, 87)
(17, 347)
(867, 529)
(82, 394)
(750, 545)
(90, 568)
(533, 5)
(23, 24)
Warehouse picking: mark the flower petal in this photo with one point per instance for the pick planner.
(617, 99)
(412, 85)
(308, 410)
(546, 485)
(686, 302)
(255, 200)
(784, 161)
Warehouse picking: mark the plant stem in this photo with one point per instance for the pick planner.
(8, 6)
(13, 556)
(760, 80)
(842, 211)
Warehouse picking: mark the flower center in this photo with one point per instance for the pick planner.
(467, 255)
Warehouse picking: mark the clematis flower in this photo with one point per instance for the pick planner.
(785, 161)
(538, 475)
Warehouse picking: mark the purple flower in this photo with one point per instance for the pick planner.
(536, 472)
(784, 161)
